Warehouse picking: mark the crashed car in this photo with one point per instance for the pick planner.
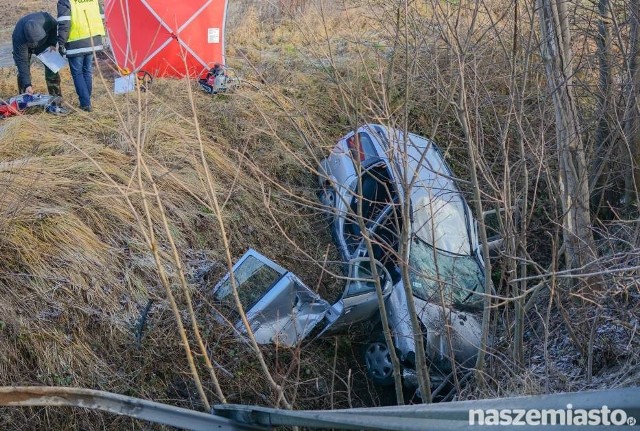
(364, 182)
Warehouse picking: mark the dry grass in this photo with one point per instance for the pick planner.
(76, 272)
(16, 10)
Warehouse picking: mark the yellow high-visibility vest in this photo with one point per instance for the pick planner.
(86, 20)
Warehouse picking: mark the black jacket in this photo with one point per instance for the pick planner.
(27, 40)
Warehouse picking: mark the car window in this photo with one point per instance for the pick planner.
(441, 222)
(385, 240)
(365, 282)
(437, 276)
(373, 194)
(367, 145)
(253, 278)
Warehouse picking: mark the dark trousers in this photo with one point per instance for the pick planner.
(52, 79)
(82, 73)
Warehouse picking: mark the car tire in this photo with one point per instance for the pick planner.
(377, 361)
(327, 198)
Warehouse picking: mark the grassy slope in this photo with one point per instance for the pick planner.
(76, 272)
(18, 8)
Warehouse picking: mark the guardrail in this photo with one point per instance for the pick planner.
(614, 406)
(121, 405)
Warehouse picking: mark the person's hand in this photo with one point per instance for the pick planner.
(29, 90)
(62, 50)
(52, 48)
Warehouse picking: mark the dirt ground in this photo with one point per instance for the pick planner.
(5, 55)
(13, 11)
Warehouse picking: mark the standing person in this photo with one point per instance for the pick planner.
(80, 32)
(33, 34)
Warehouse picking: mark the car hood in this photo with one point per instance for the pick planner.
(465, 331)
(465, 328)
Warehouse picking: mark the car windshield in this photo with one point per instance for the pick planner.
(459, 277)
(253, 278)
(441, 221)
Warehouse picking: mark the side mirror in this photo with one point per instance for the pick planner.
(361, 277)
(494, 222)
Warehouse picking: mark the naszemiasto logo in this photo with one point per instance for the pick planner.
(567, 416)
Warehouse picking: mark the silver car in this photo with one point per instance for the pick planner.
(363, 183)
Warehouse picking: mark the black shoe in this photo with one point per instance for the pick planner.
(86, 108)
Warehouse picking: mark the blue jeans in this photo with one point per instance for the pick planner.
(82, 74)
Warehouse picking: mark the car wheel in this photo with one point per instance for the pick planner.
(377, 361)
(327, 197)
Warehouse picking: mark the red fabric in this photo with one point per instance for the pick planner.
(9, 110)
(136, 33)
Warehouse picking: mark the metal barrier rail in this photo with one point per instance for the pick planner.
(432, 417)
(119, 404)
(439, 416)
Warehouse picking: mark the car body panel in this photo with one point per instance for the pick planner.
(433, 188)
(399, 320)
(463, 329)
(279, 307)
(359, 301)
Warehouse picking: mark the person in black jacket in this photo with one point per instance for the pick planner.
(33, 34)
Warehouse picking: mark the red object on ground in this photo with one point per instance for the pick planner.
(166, 37)
(9, 109)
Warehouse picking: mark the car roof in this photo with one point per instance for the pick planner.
(434, 193)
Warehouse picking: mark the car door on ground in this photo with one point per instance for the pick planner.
(278, 305)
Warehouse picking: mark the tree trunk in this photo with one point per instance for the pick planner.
(603, 136)
(631, 119)
(574, 187)
(604, 76)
